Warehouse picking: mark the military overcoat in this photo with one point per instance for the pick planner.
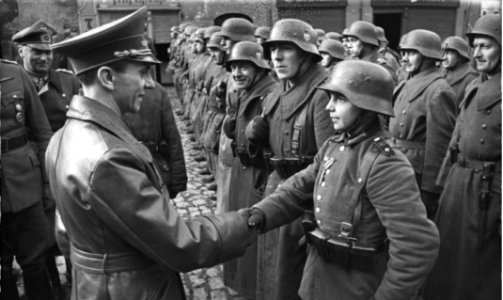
(459, 78)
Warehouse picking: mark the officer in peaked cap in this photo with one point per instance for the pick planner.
(122, 228)
(55, 88)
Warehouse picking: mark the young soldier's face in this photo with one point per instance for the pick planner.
(286, 59)
(354, 47)
(217, 55)
(412, 60)
(487, 54)
(244, 74)
(342, 112)
(130, 85)
(451, 59)
(35, 60)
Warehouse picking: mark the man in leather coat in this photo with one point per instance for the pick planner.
(127, 240)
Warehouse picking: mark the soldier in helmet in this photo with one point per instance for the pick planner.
(320, 34)
(362, 43)
(262, 34)
(469, 216)
(333, 35)
(127, 240)
(389, 55)
(425, 112)
(332, 52)
(456, 65)
(292, 127)
(249, 172)
(369, 236)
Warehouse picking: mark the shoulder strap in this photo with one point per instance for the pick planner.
(353, 216)
(300, 121)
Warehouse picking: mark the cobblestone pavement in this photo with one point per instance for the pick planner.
(202, 284)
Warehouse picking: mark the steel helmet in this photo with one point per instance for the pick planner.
(333, 47)
(263, 32)
(320, 33)
(365, 84)
(333, 35)
(487, 25)
(457, 44)
(381, 36)
(215, 41)
(426, 42)
(189, 30)
(175, 29)
(238, 29)
(293, 31)
(247, 51)
(199, 35)
(210, 30)
(364, 31)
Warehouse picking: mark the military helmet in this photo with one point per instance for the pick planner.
(366, 85)
(381, 36)
(247, 51)
(215, 41)
(263, 32)
(333, 47)
(293, 31)
(210, 30)
(199, 35)
(189, 30)
(487, 25)
(175, 29)
(457, 44)
(426, 42)
(333, 35)
(364, 31)
(238, 29)
(320, 33)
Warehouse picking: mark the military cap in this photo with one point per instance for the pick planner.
(122, 39)
(37, 36)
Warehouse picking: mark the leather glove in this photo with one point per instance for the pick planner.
(257, 131)
(256, 219)
(229, 127)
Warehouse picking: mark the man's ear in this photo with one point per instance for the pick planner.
(20, 51)
(106, 77)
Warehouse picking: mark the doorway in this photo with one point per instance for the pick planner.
(392, 24)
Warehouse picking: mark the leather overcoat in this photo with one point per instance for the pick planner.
(114, 204)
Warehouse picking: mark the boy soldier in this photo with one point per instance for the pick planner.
(469, 215)
(127, 240)
(369, 236)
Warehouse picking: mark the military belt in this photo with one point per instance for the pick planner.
(477, 165)
(108, 262)
(13, 143)
(286, 167)
(346, 253)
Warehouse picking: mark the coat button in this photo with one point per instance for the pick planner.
(400, 136)
(482, 141)
(488, 111)
(327, 171)
(404, 112)
(484, 126)
(319, 222)
(317, 209)
(318, 197)
(66, 106)
(359, 180)
(401, 124)
(341, 148)
(323, 184)
(63, 95)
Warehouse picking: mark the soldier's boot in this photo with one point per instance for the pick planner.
(8, 284)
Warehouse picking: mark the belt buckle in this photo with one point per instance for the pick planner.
(346, 230)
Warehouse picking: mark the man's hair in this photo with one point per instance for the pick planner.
(88, 77)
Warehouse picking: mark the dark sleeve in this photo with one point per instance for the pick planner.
(175, 157)
(144, 218)
(413, 239)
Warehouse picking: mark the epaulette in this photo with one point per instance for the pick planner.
(64, 71)
(382, 61)
(379, 145)
(8, 61)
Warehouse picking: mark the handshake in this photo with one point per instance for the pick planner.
(256, 218)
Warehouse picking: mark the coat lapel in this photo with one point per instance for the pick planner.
(416, 85)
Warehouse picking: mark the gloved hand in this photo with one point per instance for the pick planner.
(257, 131)
(229, 127)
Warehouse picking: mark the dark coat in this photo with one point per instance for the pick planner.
(155, 126)
(425, 110)
(61, 87)
(115, 207)
(469, 262)
(21, 114)
(390, 209)
(459, 78)
(281, 260)
(247, 185)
